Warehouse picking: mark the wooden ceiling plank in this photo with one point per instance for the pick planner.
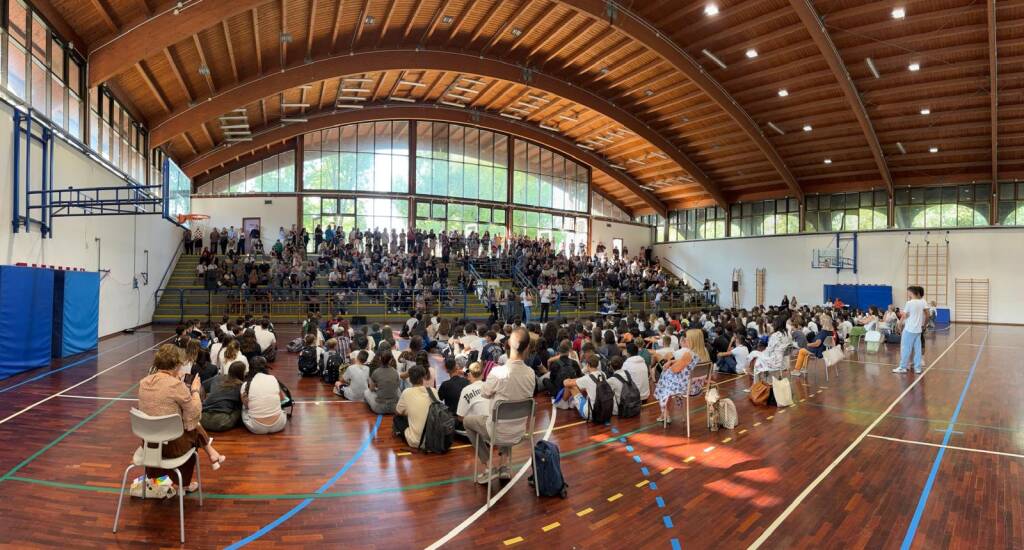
(311, 28)
(532, 26)
(812, 22)
(643, 32)
(147, 78)
(434, 21)
(993, 92)
(148, 38)
(208, 73)
(104, 14)
(336, 27)
(551, 35)
(177, 74)
(360, 25)
(412, 19)
(257, 47)
(231, 50)
(388, 16)
(505, 27)
(461, 20)
(282, 43)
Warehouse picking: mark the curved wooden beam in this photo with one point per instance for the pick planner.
(257, 88)
(812, 23)
(637, 28)
(993, 92)
(116, 54)
(432, 112)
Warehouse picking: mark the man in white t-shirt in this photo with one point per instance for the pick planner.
(470, 400)
(264, 337)
(914, 316)
(637, 369)
(545, 303)
(584, 388)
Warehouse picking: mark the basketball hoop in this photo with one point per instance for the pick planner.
(182, 218)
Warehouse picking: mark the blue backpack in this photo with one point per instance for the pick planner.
(547, 469)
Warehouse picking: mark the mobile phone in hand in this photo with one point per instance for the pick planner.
(189, 378)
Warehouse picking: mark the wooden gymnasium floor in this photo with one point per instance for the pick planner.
(868, 460)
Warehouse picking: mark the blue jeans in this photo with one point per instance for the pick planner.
(526, 313)
(910, 342)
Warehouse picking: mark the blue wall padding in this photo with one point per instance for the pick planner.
(26, 318)
(81, 319)
(860, 296)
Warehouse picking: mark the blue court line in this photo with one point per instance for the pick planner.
(66, 367)
(323, 488)
(660, 501)
(636, 458)
(668, 521)
(919, 512)
(629, 448)
(654, 486)
(676, 545)
(645, 471)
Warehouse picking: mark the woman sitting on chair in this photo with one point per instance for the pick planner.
(675, 376)
(164, 393)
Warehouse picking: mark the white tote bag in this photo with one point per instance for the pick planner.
(833, 356)
(782, 391)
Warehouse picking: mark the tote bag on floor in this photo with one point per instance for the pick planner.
(782, 392)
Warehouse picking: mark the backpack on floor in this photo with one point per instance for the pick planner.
(602, 406)
(547, 470)
(727, 417)
(629, 397)
(287, 404)
(295, 346)
(332, 368)
(439, 429)
(308, 365)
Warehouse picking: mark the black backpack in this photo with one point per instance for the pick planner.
(629, 397)
(332, 368)
(439, 428)
(547, 466)
(602, 405)
(308, 365)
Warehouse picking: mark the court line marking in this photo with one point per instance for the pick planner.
(65, 390)
(908, 540)
(480, 511)
(74, 364)
(323, 488)
(99, 398)
(954, 447)
(828, 470)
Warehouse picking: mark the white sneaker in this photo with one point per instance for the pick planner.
(485, 477)
(899, 370)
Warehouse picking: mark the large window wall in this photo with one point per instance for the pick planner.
(565, 232)
(115, 135)
(274, 174)
(370, 156)
(178, 190)
(466, 218)
(862, 211)
(942, 207)
(349, 212)
(546, 179)
(773, 217)
(461, 162)
(696, 223)
(1011, 204)
(605, 208)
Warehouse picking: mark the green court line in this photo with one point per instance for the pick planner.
(61, 437)
(303, 496)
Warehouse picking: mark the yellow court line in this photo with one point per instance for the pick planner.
(453, 447)
(641, 484)
(584, 512)
(667, 470)
(709, 449)
(690, 459)
(781, 411)
(516, 540)
(769, 417)
(403, 454)
(804, 399)
(743, 431)
(756, 424)
(726, 440)
(551, 526)
(614, 497)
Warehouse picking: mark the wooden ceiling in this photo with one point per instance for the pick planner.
(669, 94)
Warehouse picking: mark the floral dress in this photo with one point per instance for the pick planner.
(674, 383)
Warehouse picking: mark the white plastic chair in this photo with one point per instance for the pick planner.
(873, 341)
(154, 431)
(704, 380)
(508, 412)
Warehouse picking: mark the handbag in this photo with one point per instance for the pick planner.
(833, 356)
(782, 391)
(759, 393)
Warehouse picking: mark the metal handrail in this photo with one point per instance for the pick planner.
(170, 266)
(696, 282)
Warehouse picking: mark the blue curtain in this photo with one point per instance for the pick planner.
(26, 318)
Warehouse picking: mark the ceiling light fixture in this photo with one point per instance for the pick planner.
(751, 53)
(807, 128)
(294, 120)
(783, 92)
(295, 105)
(448, 19)
(933, 149)
(902, 149)
(776, 128)
(451, 103)
(404, 99)
(914, 67)
(648, 93)
(370, 19)
(926, 111)
(711, 10)
(513, 117)
(712, 57)
(516, 32)
(871, 67)
(899, 13)
(582, 146)
(549, 128)
(828, 161)
(411, 83)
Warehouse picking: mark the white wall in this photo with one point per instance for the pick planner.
(992, 254)
(633, 236)
(227, 211)
(122, 238)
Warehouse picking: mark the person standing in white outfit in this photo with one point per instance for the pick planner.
(914, 316)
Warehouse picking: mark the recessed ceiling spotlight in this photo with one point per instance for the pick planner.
(933, 149)
(751, 53)
(807, 128)
(783, 92)
(828, 161)
(516, 32)
(712, 57)
(899, 13)
(648, 93)
(448, 19)
(914, 67)
(711, 10)
(370, 19)
(926, 111)
(604, 71)
(871, 67)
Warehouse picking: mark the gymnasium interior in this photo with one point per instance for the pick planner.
(446, 232)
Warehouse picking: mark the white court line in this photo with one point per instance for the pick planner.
(327, 402)
(821, 477)
(872, 363)
(62, 392)
(968, 449)
(476, 515)
(99, 398)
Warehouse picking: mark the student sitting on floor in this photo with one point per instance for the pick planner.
(222, 408)
(584, 389)
(261, 398)
(638, 371)
(354, 381)
(412, 408)
(451, 389)
(229, 354)
(383, 388)
(734, 360)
